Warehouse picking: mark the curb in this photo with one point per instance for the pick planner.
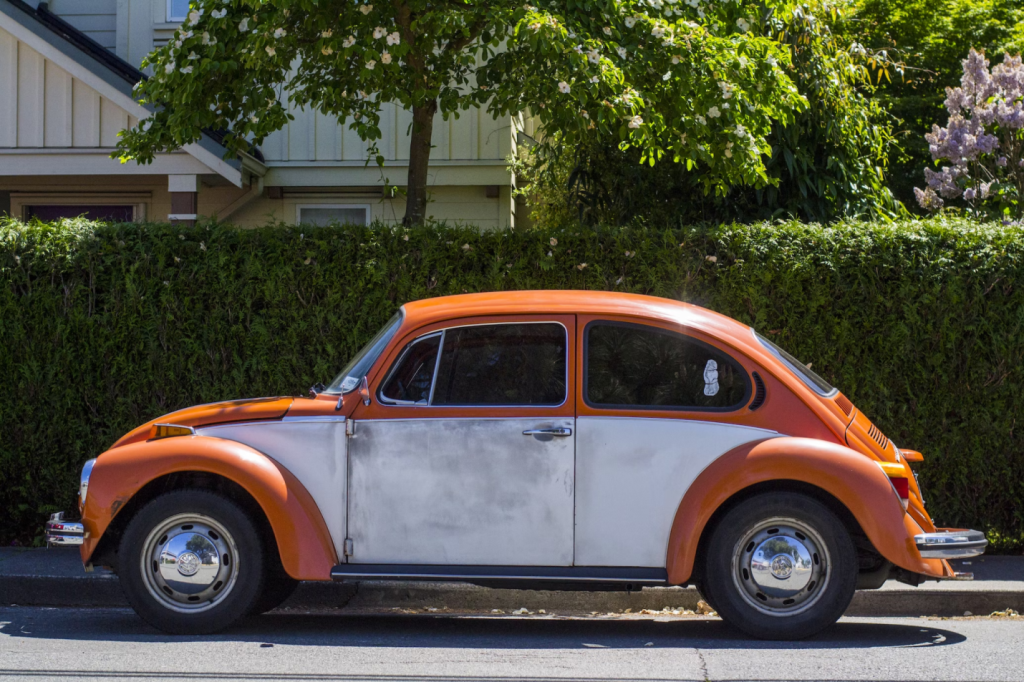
(382, 597)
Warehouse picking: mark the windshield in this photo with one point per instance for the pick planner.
(359, 365)
(813, 381)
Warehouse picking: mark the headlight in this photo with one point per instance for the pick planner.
(83, 486)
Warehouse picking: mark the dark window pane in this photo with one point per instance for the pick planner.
(410, 380)
(110, 214)
(502, 364)
(631, 365)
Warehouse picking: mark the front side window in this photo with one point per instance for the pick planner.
(642, 367)
(412, 378)
(521, 364)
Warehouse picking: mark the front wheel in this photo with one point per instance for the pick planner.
(781, 566)
(192, 562)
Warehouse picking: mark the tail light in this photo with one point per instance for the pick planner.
(902, 488)
(897, 475)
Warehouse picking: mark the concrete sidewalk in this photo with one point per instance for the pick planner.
(54, 577)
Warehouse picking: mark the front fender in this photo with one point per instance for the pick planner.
(852, 478)
(307, 552)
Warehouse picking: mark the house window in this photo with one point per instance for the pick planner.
(177, 10)
(109, 213)
(326, 214)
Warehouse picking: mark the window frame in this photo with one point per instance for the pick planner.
(585, 379)
(170, 15)
(387, 402)
(298, 210)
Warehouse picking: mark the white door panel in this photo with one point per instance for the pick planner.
(313, 450)
(631, 475)
(461, 492)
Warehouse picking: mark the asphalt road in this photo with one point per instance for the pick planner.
(104, 644)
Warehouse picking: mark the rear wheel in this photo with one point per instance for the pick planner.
(781, 566)
(192, 562)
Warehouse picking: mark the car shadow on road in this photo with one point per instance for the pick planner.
(427, 631)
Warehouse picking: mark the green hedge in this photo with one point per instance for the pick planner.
(104, 327)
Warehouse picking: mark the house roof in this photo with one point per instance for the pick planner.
(47, 30)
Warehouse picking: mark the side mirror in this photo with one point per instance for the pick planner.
(364, 391)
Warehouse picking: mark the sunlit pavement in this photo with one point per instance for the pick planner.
(94, 644)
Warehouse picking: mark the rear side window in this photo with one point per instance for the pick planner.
(641, 367)
(503, 364)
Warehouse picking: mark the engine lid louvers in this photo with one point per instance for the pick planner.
(844, 404)
(759, 393)
(878, 436)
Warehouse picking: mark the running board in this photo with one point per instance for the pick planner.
(507, 576)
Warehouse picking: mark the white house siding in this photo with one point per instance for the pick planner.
(95, 18)
(43, 106)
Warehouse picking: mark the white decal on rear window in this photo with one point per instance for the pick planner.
(711, 378)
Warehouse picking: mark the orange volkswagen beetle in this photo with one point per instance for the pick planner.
(550, 439)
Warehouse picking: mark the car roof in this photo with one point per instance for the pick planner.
(569, 302)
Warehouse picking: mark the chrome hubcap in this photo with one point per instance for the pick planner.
(189, 562)
(781, 566)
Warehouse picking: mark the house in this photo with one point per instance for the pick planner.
(67, 69)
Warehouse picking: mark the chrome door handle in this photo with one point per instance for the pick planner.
(561, 432)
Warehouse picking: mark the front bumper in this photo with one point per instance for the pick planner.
(951, 543)
(61, 532)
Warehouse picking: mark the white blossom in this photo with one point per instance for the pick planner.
(713, 112)
(728, 150)
(563, 87)
(743, 62)
(254, 118)
(280, 33)
(378, 33)
(370, 64)
(658, 31)
(219, 13)
(675, 59)
(169, 68)
(630, 22)
(271, 51)
(366, 9)
(385, 57)
(701, 120)
(243, 25)
(326, 34)
(594, 56)
(666, 75)
(193, 55)
(743, 24)
(595, 79)
(194, 15)
(636, 122)
(187, 69)
(607, 30)
(327, 51)
(394, 38)
(621, 51)
(349, 42)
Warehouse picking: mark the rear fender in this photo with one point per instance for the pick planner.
(303, 541)
(848, 476)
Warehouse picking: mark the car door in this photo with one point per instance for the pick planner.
(466, 453)
(657, 405)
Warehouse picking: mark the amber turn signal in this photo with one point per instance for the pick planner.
(170, 430)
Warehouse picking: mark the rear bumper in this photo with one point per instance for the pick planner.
(951, 543)
(61, 532)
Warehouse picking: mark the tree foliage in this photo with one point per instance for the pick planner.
(828, 162)
(693, 82)
(931, 38)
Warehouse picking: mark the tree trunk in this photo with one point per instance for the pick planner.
(419, 161)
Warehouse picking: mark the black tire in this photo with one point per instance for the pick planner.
(163, 584)
(277, 587)
(756, 550)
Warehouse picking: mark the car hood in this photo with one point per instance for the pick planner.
(214, 413)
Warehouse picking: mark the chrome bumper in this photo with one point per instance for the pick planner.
(61, 532)
(951, 543)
